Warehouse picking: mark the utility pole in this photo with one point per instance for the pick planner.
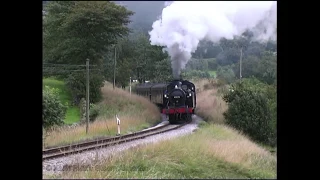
(114, 68)
(87, 97)
(240, 63)
(130, 85)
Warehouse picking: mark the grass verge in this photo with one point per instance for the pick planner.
(214, 151)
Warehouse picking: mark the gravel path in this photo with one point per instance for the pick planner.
(55, 166)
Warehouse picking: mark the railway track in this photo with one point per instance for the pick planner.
(96, 144)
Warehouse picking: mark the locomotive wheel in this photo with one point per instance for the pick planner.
(189, 117)
(172, 118)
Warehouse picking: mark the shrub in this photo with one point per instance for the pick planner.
(252, 109)
(53, 110)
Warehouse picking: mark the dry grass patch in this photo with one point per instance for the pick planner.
(200, 84)
(210, 105)
(228, 144)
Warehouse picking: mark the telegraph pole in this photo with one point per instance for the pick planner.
(130, 85)
(240, 63)
(114, 68)
(87, 97)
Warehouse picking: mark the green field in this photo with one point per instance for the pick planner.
(73, 112)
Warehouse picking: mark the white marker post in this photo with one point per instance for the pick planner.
(118, 123)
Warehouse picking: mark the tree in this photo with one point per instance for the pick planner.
(268, 68)
(125, 59)
(76, 30)
(254, 49)
(197, 64)
(228, 56)
(76, 82)
(264, 68)
(249, 67)
(212, 64)
(226, 74)
(163, 71)
(123, 72)
(146, 57)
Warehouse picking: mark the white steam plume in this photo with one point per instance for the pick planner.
(184, 23)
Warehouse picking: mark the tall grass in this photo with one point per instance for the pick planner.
(134, 112)
(210, 104)
(214, 151)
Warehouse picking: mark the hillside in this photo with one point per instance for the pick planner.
(135, 112)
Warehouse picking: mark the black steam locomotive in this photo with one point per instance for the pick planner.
(176, 99)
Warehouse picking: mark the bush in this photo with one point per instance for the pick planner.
(53, 110)
(76, 82)
(252, 110)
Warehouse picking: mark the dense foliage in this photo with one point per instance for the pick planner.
(76, 82)
(74, 31)
(252, 109)
(53, 110)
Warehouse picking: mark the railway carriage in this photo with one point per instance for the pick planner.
(176, 99)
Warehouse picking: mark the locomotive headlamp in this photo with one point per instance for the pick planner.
(190, 94)
(165, 96)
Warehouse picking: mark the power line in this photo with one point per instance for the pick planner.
(72, 70)
(64, 67)
(80, 70)
(64, 72)
(73, 65)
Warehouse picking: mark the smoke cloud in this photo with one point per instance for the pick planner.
(184, 24)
